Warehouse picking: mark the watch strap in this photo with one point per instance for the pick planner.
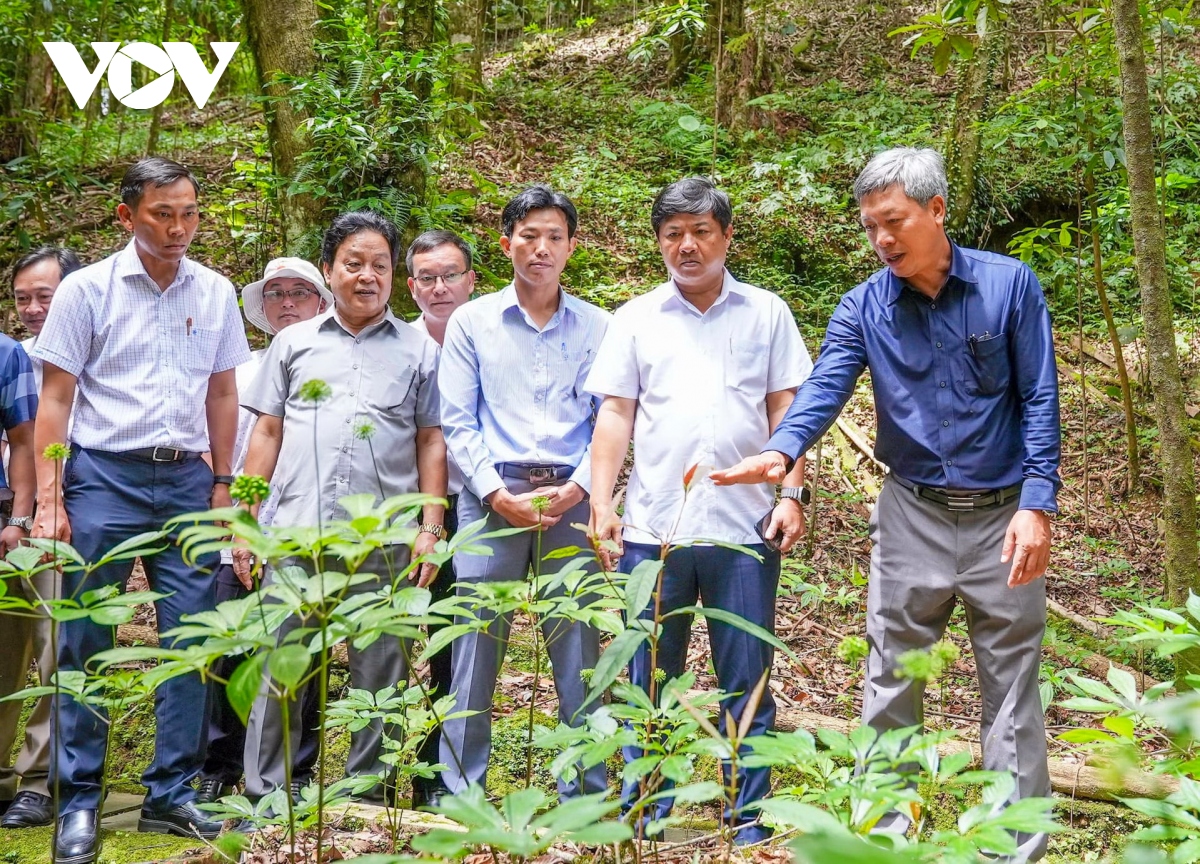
(799, 493)
(223, 479)
(436, 530)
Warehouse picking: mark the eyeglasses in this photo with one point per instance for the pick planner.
(296, 295)
(450, 280)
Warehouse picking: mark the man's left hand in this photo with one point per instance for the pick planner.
(562, 498)
(428, 570)
(787, 523)
(10, 538)
(1027, 544)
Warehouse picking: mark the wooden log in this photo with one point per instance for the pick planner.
(1086, 624)
(1068, 777)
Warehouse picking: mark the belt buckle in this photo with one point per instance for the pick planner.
(174, 457)
(541, 474)
(960, 503)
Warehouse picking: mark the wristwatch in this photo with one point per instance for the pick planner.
(223, 479)
(431, 528)
(800, 493)
(25, 523)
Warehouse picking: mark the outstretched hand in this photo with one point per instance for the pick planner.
(769, 467)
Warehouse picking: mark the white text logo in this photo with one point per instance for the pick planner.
(172, 57)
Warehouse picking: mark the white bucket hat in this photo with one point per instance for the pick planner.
(298, 268)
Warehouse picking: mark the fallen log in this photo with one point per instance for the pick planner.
(1069, 777)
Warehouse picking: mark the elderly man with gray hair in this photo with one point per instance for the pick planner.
(961, 355)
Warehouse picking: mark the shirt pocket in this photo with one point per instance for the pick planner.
(988, 365)
(200, 350)
(748, 366)
(396, 392)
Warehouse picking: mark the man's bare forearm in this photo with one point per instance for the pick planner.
(22, 473)
(610, 444)
(221, 410)
(432, 474)
(54, 413)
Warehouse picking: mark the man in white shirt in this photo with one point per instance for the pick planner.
(35, 278)
(290, 291)
(441, 280)
(707, 366)
(144, 345)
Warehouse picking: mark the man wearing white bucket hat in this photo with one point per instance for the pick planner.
(290, 291)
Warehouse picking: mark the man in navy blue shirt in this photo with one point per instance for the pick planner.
(961, 355)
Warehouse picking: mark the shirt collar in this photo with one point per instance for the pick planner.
(674, 297)
(566, 304)
(960, 269)
(130, 266)
(330, 319)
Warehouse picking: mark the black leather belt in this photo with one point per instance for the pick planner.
(962, 501)
(160, 454)
(535, 472)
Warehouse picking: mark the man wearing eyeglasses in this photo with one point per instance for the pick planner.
(291, 290)
(440, 279)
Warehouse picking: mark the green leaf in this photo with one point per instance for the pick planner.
(613, 661)
(288, 664)
(1109, 159)
(639, 588)
(244, 684)
(689, 122)
(735, 620)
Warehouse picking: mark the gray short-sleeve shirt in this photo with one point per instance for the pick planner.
(384, 377)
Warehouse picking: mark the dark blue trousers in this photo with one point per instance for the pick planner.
(722, 579)
(110, 498)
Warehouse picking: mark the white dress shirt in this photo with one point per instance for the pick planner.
(142, 356)
(701, 382)
(513, 392)
(454, 477)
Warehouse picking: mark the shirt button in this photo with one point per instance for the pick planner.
(932, 305)
(347, 419)
(344, 449)
(939, 344)
(358, 341)
(355, 366)
(942, 384)
(949, 463)
(944, 422)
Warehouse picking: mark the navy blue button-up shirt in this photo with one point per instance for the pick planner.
(965, 385)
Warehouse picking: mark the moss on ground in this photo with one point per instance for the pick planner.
(32, 846)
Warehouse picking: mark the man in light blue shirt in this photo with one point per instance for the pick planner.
(518, 423)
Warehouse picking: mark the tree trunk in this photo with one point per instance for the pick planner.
(282, 36)
(1178, 466)
(34, 90)
(156, 120)
(466, 29)
(726, 27)
(970, 107)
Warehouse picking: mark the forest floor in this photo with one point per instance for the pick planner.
(565, 105)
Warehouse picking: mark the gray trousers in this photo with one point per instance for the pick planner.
(924, 556)
(382, 664)
(477, 656)
(23, 639)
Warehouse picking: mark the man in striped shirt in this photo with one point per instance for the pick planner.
(144, 344)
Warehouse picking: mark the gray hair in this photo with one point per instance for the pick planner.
(695, 196)
(921, 173)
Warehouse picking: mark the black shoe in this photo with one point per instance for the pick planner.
(296, 788)
(78, 838)
(428, 793)
(29, 810)
(184, 821)
(211, 789)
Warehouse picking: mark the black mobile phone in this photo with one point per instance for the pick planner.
(763, 524)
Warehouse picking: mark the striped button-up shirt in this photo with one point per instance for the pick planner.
(142, 355)
(385, 376)
(18, 392)
(512, 392)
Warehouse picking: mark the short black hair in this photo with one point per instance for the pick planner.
(431, 240)
(346, 225)
(157, 170)
(693, 195)
(537, 197)
(68, 261)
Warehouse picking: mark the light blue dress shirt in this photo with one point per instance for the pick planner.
(511, 392)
